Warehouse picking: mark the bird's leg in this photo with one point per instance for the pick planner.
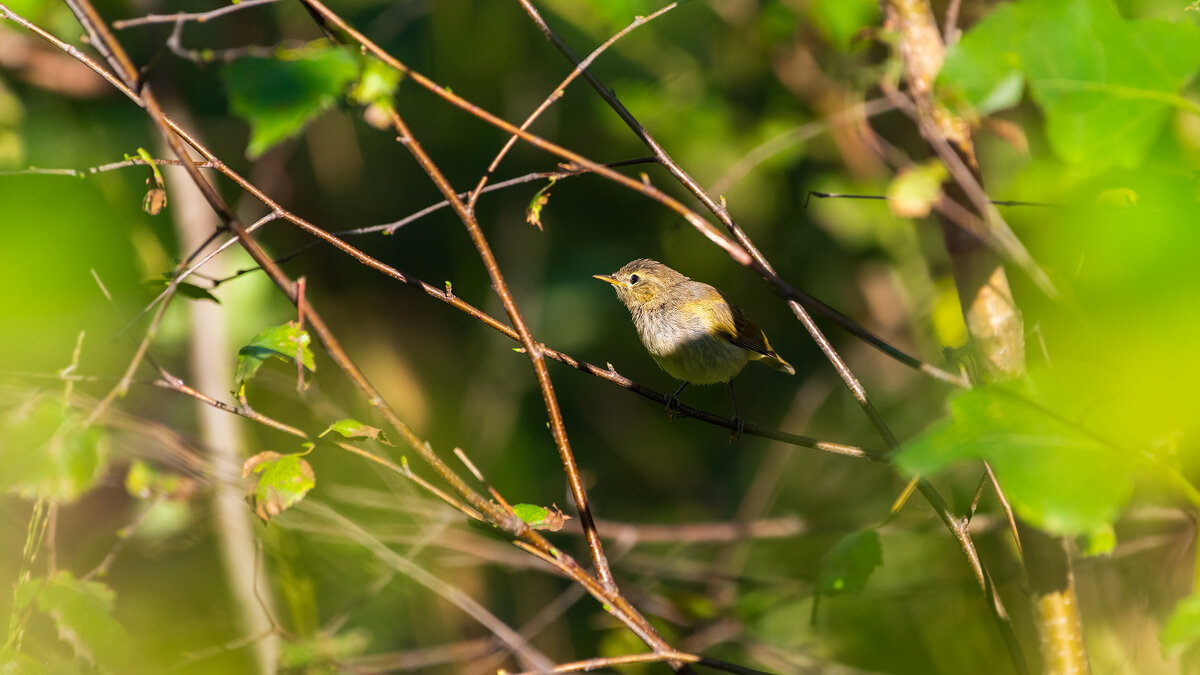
(737, 419)
(673, 400)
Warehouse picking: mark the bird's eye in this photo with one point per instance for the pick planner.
(633, 278)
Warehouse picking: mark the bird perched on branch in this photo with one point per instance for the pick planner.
(690, 328)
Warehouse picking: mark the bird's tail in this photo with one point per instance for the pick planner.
(775, 361)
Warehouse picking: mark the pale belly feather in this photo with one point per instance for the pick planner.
(686, 351)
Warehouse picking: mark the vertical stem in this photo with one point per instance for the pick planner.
(532, 349)
(992, 318)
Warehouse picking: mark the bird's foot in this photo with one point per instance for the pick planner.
(736, 434)
(672, 407)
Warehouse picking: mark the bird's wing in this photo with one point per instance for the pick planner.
(745, 334)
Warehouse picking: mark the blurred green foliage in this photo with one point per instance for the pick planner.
(1088, 106)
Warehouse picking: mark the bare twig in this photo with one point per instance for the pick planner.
(181, 17)
(557, 94)
(694, 219)
(557, 428)
(658, 657)
(422, 576)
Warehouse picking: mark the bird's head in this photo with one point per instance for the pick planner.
(642, 281)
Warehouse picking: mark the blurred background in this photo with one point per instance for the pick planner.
(762, 103)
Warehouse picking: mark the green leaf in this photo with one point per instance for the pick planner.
(848, 565)
(352, 428)
(914, 190)
(533, 212)
(840, 21)
(377, 84)
(185, 289)
(47, 452)
(541, 517)
(13, 662)
(82, 611)
(280, 342)
(1182, 630)
(1105, 84)
(1100, 542)
(323, 650)
(145, 482)
(282, 481)
(278, 96)
(1055, 475)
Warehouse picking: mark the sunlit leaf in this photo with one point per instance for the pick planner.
(1106, 84)
(281, 342)
(278, 96)
(540, 517)
(281, 481)
(1056, 474)
(377, 84)
(915, 189)
(1100, 542)
(1182, 630)
(533, 212)
(352, 428)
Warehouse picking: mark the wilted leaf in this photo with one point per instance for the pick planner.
(154, 201)
(281, 342)
(281, 481)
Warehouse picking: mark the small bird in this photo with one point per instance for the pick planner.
(690, 328)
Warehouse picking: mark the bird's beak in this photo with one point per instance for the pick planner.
(609, 278)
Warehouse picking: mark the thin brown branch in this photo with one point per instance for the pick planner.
(796, 135)
(702, 533)
(198, 17)
(555, 95)
(658, 657)
(425, 578)
(557, 428)
(694, 219)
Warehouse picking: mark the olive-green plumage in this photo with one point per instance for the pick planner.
(690, 328)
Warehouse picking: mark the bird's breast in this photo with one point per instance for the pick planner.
(685, 346)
